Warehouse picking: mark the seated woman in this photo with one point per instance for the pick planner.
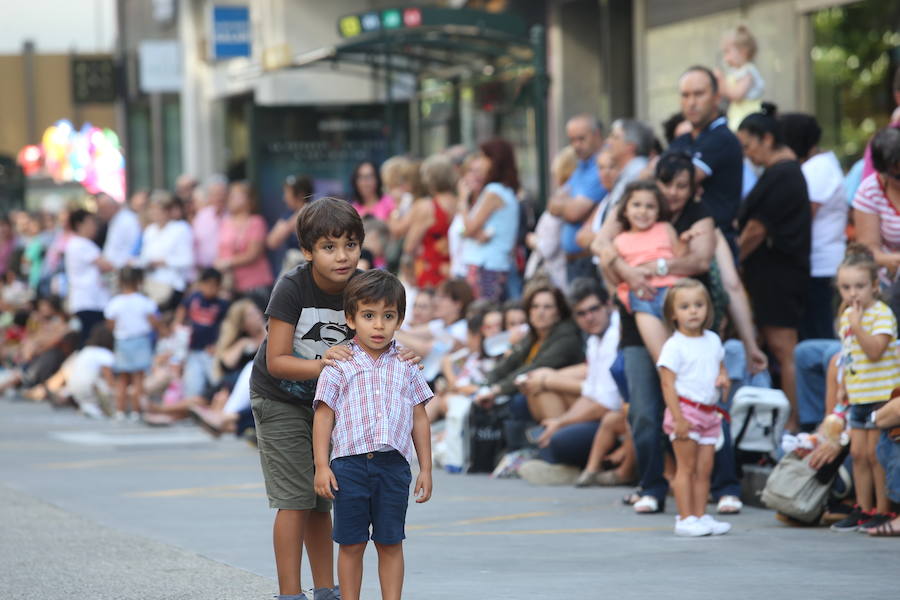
(443, 334)
(552, 341)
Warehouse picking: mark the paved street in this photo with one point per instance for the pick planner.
(100, 510)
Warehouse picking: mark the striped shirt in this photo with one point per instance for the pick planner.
(372, 401)
(870, 381)
(871, 199)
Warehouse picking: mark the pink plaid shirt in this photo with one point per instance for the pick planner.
(372, 402)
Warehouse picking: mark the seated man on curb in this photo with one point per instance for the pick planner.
(887, 418)
(570, 403)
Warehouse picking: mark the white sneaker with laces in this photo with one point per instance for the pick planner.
(691, 527)
(715, 527)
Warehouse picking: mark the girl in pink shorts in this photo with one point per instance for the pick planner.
(692, 373)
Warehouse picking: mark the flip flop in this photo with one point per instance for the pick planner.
(884, 530)
(729, 505)
(648, 505)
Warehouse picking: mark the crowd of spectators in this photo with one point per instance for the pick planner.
(154, 309)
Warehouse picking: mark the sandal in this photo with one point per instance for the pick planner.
(648, 505)
(729, 505)
(884, 530)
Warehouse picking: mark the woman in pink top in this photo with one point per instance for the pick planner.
(648, 236)
(242, 239)
(367, 198)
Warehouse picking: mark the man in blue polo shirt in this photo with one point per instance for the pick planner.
(717, 154)
(575, 201)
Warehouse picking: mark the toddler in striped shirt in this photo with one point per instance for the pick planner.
(371, 409)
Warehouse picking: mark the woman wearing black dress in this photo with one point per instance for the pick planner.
(775, 223)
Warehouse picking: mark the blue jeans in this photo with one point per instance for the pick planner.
(197, 373)
(645, 418)
(818, 320)
(571, 444)
(889, 455)
(724, 476)
(811, 358)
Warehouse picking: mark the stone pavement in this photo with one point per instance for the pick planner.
(100, 510)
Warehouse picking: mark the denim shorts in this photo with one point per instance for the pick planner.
(373, 491)
(134, 355)
(861, 415)
(653, 306)
(888, 452)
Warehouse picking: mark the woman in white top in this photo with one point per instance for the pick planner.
(827, 195)
(84, 263)
(167, 250)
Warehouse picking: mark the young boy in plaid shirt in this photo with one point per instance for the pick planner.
(371, 408)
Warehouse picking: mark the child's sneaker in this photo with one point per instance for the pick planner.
(852, 521)
(119, 416)
(327, 593)
(691, 527)
(715, 527)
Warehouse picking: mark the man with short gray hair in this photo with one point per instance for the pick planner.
(574, 202)
(629, 143)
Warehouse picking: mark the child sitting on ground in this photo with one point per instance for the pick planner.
(371, 409)
(90, 381)
(692, 374)
(648, 239)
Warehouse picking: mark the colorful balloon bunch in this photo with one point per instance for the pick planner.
(90, 156)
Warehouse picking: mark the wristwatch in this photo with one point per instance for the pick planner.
(662, 267)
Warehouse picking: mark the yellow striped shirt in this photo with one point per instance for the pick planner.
(870, 381)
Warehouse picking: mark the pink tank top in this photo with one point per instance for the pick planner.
(639, 247)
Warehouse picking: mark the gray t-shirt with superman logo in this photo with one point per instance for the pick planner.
(319, 325)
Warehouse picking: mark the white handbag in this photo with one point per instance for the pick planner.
(758, 417)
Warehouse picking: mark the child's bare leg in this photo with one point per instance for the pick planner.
(652, 331)
(862, 470)
(320, 548)
(705, 457)
(604, 440)
(626, 468)
(390, 570)
(685, 467)
(137, 391)
(121, 391)
(350, 569)
(882, 502)
(287, 535)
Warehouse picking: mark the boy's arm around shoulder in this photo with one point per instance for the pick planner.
(280, 358)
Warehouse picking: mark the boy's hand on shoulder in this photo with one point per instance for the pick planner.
(325, 483)
(407, 355)
(336, 353)
(422, 490)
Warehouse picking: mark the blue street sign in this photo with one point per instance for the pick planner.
(230, 31)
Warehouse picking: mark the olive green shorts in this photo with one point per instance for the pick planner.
(284, 436)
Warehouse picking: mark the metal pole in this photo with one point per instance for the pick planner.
(30, 97)
(156, 141)
(538, 46)
(389, 105)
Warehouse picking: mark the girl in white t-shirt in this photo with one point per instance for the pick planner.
(692, 374)
(133, 317)
(91, 380)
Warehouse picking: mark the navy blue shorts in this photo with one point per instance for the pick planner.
(861, 415)
(373, 491)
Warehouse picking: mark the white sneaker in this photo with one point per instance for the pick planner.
(91, 410)
(119, 416)
(134, 417)
(715, 527)
(691, 527)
